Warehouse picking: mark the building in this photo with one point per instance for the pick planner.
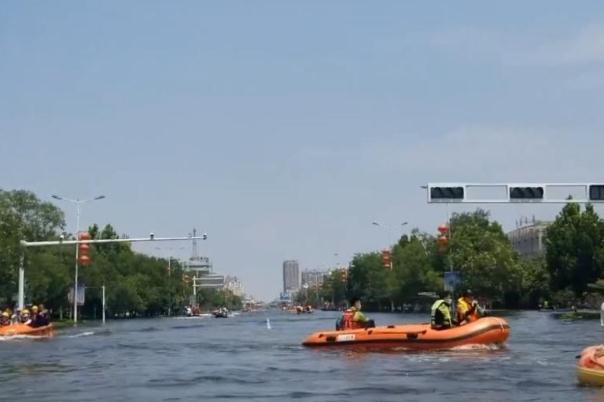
(233, 284)
(529, 239)
(312, 278)
(291, 276)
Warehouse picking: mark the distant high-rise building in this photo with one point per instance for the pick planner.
(291, 276)
(313, 278)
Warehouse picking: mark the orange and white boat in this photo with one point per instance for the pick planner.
(24, 329)
(590, 367)
(487, 330)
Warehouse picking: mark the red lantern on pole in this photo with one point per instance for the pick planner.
(442, 241)
(84, 249)
(387, 258)
(442, 228)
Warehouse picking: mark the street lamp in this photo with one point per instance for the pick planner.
(388, 231)
(170, 258)
(78, 203)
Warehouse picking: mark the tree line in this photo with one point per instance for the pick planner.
(569, 272)
(136, 284)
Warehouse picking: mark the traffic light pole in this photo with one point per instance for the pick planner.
(77, 256)
(26, 244)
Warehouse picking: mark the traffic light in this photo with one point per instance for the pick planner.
(596, 192)
(83, 249)
(446, 193)
(387, 258)
(526, 193)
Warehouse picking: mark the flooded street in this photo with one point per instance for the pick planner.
(240, 359)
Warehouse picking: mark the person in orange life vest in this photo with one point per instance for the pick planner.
(353, 318)
(467, 308)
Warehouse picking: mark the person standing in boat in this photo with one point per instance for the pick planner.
(467, 308)
(440, 317)
(353, 318)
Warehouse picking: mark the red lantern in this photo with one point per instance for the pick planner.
(442, 228)
(442, 241)
(387, 258)
(84, 249)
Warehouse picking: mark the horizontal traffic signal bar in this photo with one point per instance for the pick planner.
(105, 241)
(485, 193)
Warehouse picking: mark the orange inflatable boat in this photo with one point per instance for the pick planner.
(23, 329)
(590, 367)
(487, 330)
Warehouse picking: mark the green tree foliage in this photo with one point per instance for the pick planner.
(483, 254)
(333, 289)
(24, 217)
(370, 280)
(413, 270)
(136, 284)
(478, 249)
(575, 249)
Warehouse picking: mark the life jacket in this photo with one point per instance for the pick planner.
(437, 317)
(347, 321)
(462, 309)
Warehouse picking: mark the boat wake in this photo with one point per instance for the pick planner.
(479, 347)
(80, 334)
(16, 337)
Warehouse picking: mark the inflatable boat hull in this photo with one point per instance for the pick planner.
(488, 330)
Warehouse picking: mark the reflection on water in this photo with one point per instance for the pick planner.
(243, 358)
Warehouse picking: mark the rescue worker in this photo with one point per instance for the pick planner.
(43, 316)
(25, 317)
(440, 314)
(467, 308)
(5, 319)
(34, 316)
(353, 318)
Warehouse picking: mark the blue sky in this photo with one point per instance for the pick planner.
(282, 128)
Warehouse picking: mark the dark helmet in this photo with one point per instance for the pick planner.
(466, 293)
(353, 300)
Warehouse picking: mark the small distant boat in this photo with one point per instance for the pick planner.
(590, 367)
(221, 313)
(24, 329)
(485, 331)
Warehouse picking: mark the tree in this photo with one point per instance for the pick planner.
(413, 271)
(24, 217)
(575, 249)
(369, 280)
(483, 254)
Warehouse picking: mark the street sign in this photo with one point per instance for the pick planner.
(451, 280)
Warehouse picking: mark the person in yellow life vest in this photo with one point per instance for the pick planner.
(467, 308)
(353, 318)
(440, 313)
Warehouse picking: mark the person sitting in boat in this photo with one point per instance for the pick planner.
(43, 316)
(353, 318)
(34, 316)
(441, 313)
(467, 309)
(39, 316)
(5, 319)
(25, 317)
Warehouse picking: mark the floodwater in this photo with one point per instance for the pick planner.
(240, 358)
